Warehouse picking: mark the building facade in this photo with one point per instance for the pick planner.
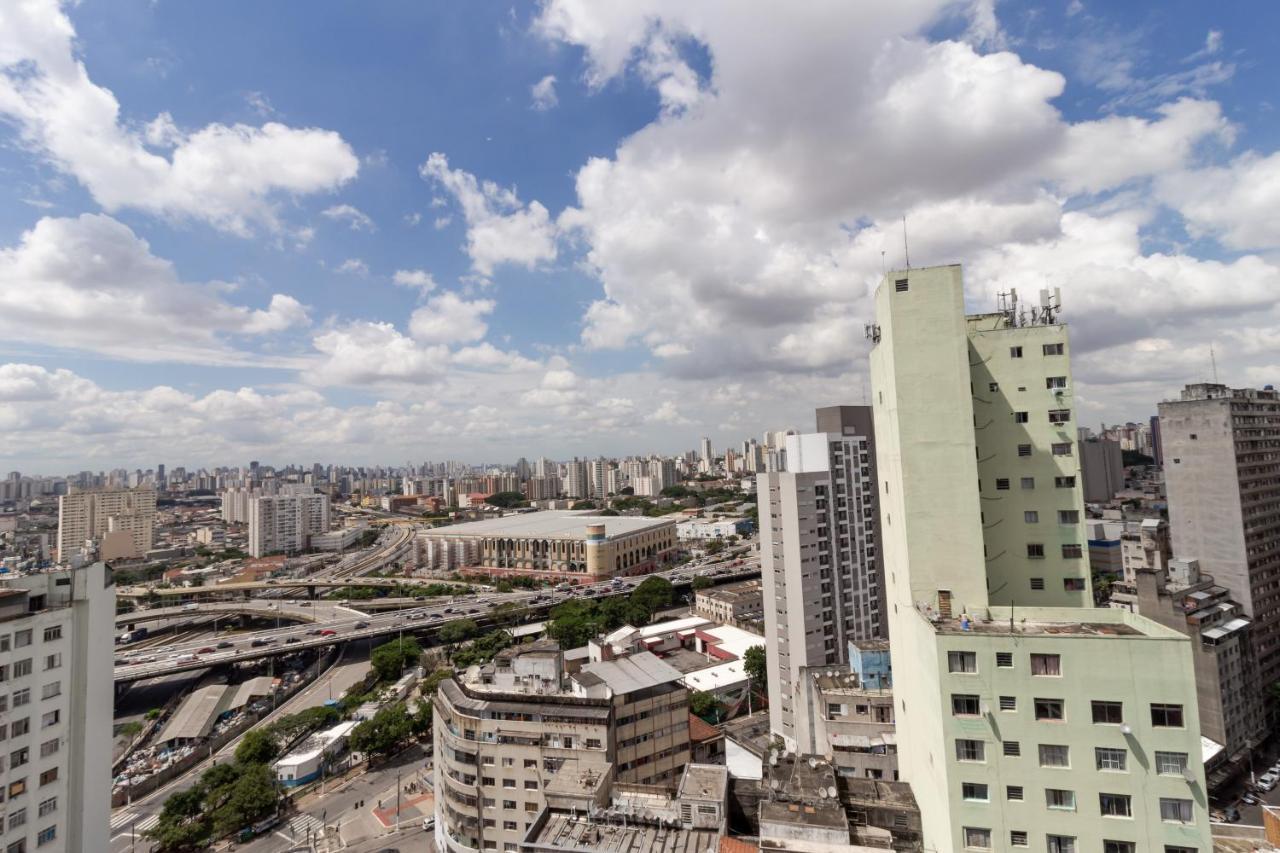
(1062, 727)
(1224, 499)
(1102, 467)
(285, 523)
(732, 603)
(820, 555)
(120, 521)
(56, 693)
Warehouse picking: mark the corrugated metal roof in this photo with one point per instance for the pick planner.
(634, 672)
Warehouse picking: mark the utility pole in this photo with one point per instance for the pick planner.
(397, 801)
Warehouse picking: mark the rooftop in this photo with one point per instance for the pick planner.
(704, 782)
(572, 832)
(1052, 622)
(552, 524)
(629, 674)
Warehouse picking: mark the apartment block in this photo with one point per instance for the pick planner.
(1102, 468)
(285, 523)
(1025, 717)
(56, 694)
(1223, 482)
(121, 522)
(503, 732)
(849, 722)
(732, 603)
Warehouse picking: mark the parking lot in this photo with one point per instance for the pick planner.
(1252, 814)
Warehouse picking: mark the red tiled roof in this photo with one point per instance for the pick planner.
(736, 845)
(700, 730)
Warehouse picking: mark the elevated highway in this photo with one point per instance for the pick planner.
(183, 656)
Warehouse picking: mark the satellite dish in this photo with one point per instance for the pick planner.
(773, 783)
(1126, 729)
(1189, 775)
(813, 763)
(831, 792)
(822, 793)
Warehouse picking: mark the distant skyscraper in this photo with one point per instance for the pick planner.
(1044, 722)
(819, 559)
(704, 451)
(1102, 467)
(120, 521)
(285, 523)
(577, 482)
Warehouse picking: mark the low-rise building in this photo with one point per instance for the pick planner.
(310, 758)
(852, 724)
(737, 602)
(712, 528)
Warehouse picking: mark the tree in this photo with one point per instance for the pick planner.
(293, 726)
(257, 746)
(702, 583)
(755, 665)
(704, 705)
(574, 623)
(183, 824)
(391, 659)
(715, 546)
(506, 500)
(609, 512)
(458, 631)
(384, 733)
(653, 594)
(483, 649)
(583, 505)
(252, 796)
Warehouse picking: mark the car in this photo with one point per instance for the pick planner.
(259, 643)
(1267, 780)
(314, 632)
(304, 603)
(273, 581)
(448, 610)
(207, 650)
(419, 598)
(1250, 799)
(359, 625)
(328, 632)
(123, 662)
(226, 645)
(291, 641)
(417, 615)
(428, 824)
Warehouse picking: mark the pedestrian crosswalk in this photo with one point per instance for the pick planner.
(304, 823)
(131, 821)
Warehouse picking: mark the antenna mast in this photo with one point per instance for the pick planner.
(1213, 359)
(906, 255)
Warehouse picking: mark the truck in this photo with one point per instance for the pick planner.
(248, 833)
(133, 636)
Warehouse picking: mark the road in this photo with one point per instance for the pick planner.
(143, 813)
(284, 640)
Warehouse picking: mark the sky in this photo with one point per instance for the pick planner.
(405, 231)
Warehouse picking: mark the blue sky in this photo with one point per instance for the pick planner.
(617, 227)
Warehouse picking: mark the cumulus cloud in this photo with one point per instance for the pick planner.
(356, 219)
(419, 279)
(1238, 203)
(370, 353)
(544, 93)
(90, 283)
(226, 175)
(450, 319)
(353, 266)
(500, 228)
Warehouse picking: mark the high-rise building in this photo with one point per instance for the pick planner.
(1025, 718)
(285, 523)
(1219, 447)
(820, 563)
(1102, 467)
(121, 522)
(577, 483)
(55, 659)
(704, 452)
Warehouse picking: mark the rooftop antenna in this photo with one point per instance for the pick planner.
(905, 253)
(1213, 359)
(883, 271)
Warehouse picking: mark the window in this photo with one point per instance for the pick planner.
(21, 697)
(900, 285)
(974, 792)
(50, 775)
(1111, 713)
(46, 835)
(1059, 416)
(21, 638)
(1052, 349)
(1049, 709)
(1061, 844)
(1015, 352)
(510, 825)
(48, 748)
(1008, 703)
(506, 761)
(1002, 484)
(487, 760)
(1073, 584)
(965, 705)
(993, 386)
(20, 727)
(962, 662)
(1064, 482)
(1030, 516)
(1037, 583)
(1012, 748)
(1052, 382)
(1004, 660)
(1072, 552)
(1170, 848)
(1014, 793)
(4, 642)
(1018, 837)
(594, 743)
(1175, 810)
(1171, 763)
(1109, 758)
(51, 690)
(531, 784)
(970, 750)
(1114, 805)
(1042, 664)
(52, 633)
(1057, 798)
(1027, 482)
(509, 804)
(1035, 550)
(21, 668)
(49, 806)
(1062, 448)
(1068, 516)
(977, 839)
(1118, 847)
(19, 757)
(508, 783)
(1166, 716)
(1020, 417)
(1054, 755)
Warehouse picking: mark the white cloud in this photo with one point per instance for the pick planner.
(353, 266)
(544, 93)
(366, 353)
(90, 283)
(260, 104)
(354, 217)
(500, 229)
(226, 175)
(412, 219)
(450, 319)
(1238, 203)
(442, 222)
(420, 279)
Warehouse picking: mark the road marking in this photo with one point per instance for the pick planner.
(122, 819)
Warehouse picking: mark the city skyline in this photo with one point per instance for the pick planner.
(587, 244)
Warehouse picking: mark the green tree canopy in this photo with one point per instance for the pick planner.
(755, 665)
(251, 797)
(702, 583)
(715, 546)
(391, 659)
(506, 500)
(653, 594)
(583, 505)
(257, 746)
(458, 631)
(384, 733)
(704, 705)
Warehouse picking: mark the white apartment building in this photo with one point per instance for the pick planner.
(236, 503)
(56, 692)
(819, 557)
(1028, 723)
(286, 522)
(121, 522)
